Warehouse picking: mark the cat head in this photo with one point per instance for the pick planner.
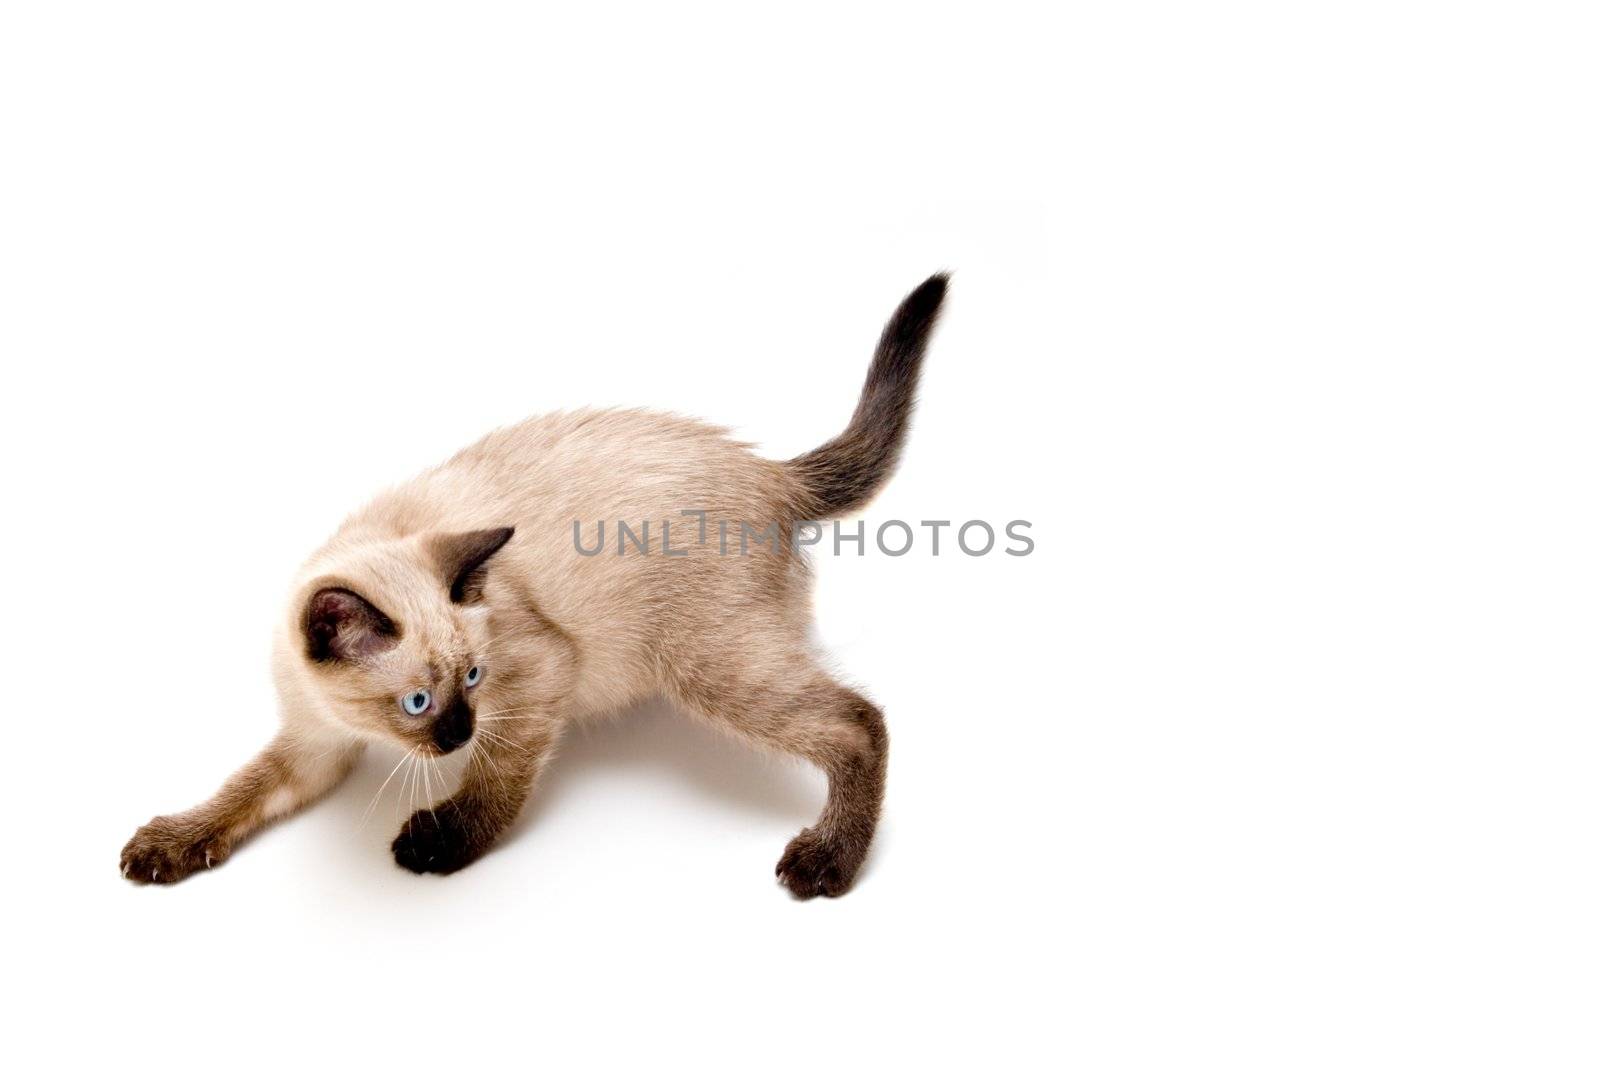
(394, 637)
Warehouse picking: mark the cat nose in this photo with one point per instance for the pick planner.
(453, 728)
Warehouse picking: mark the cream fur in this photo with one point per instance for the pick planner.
(560, 635)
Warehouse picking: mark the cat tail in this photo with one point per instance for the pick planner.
(843, 474)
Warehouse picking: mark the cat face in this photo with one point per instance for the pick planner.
(398, 643)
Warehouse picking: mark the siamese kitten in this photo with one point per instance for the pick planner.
(458, 611)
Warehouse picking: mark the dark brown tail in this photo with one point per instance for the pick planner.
(844, 473)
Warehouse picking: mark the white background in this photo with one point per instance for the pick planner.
(1277, 322)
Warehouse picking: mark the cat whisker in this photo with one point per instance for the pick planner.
(400, 791)
(374, 805)
(499, 740)
(427, 786)
(408, 786)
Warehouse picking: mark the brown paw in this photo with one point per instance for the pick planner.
(440, 841)
(817, 864)
(169, 848)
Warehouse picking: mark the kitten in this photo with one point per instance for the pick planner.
(456, 611)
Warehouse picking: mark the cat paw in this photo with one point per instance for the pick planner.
(817, 864)
(440, 841)
(169, 848)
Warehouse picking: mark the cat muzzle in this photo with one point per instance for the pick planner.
(454, 727)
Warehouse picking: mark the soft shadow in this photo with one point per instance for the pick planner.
(652, 741)
(373, 804)
(656, 737)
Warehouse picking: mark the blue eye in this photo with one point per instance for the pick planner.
(417, 702)
(474, 676)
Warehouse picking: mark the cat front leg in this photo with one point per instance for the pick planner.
(284, 777)
(506, 754)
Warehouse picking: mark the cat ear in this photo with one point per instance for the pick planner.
(460, 559)
(341, 625)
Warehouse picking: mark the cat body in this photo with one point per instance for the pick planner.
(570, 566)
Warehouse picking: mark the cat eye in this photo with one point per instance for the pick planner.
(417, 701)
(474, 676)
